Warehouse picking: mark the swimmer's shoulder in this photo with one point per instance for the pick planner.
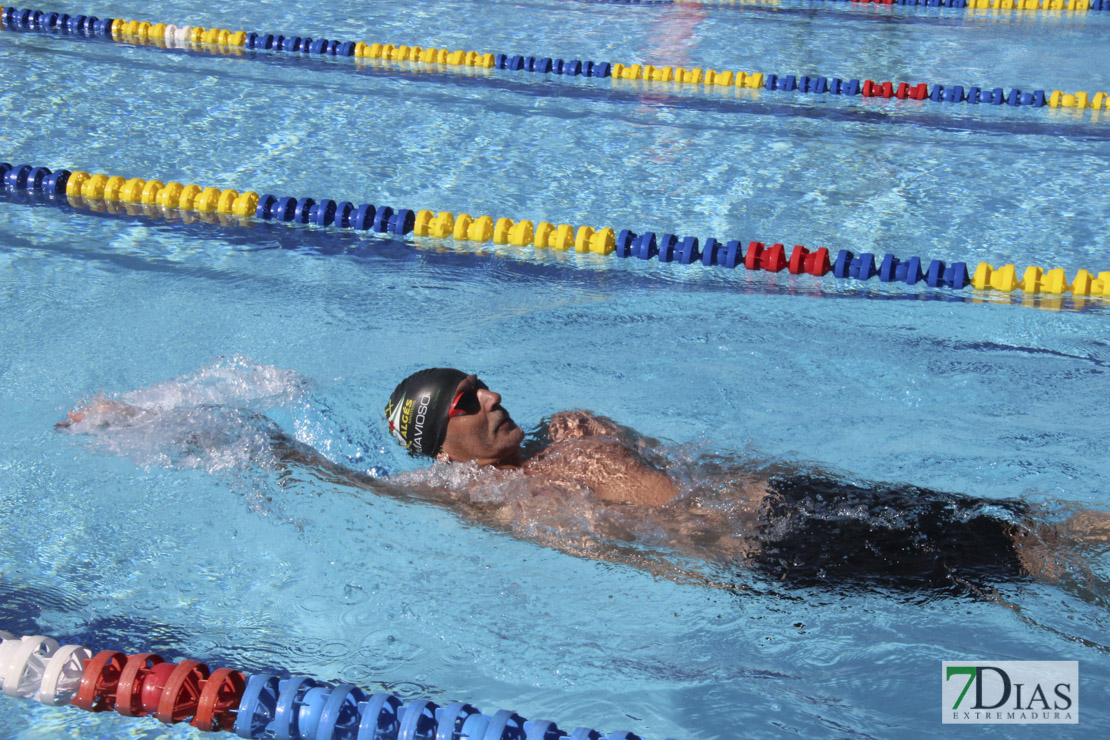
(612, 469)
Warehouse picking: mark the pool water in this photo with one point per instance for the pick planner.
(184, 538)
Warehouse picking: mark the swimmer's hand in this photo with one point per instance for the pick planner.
(575, 424)
(100, 414)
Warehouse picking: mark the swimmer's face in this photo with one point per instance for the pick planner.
(480, 428)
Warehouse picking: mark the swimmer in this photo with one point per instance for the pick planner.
(791, 528)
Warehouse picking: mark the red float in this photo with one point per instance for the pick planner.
(797, 263)
(153, 685)
(751, 259)
(128, 698)
(178, 700)
(219, 699)
(818, 263)
(774, 259)
(100, 681)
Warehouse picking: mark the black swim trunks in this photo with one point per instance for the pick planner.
(820, 531)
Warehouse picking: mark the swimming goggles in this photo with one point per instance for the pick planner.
(466, 402)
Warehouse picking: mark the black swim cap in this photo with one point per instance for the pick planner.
(417, 410)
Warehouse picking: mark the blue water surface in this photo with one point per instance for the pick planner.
(181, 541)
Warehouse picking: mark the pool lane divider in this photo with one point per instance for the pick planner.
(257, 706)
(1041, 5)
(216, 39)
(153, 197)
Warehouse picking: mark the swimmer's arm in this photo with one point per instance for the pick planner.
(102, 413)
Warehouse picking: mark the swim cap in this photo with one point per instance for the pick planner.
(417, 410)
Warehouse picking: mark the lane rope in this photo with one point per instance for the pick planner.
(139, 196)
(217, 40)
(256, 706)
(1069, 6)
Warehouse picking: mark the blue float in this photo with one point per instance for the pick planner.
(340, 712)
(255, 715)
(284, 208)
(302, 210)
(688, 250)
(363, 218)
(887, 268)
(16, 177)
(35, 177)
(934, 276)
(734, 255)
(863, 267)
(323, 213)
(288, 711)
(710, 253)
(909, 272)
(380, 717)
(381, 219)
(645, 246)
(602, 69)
(666, 245)
(402, 222)
(956, 276)
(623, 243)
(264, 208)
(55, 184)
(343, 213)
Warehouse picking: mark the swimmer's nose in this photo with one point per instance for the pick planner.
(490, 399)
